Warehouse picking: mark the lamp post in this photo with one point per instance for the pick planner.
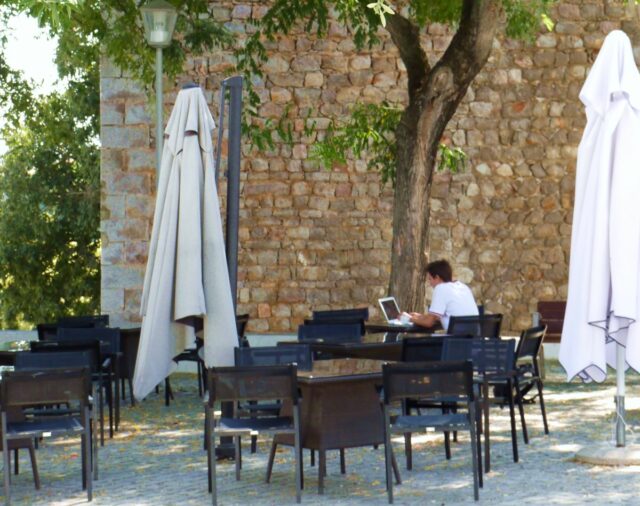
(159, 19)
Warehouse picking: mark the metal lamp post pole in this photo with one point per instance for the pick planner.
(159, 119)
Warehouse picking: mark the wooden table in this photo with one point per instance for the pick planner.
(340, 408)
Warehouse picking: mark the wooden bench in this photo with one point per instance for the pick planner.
(551, 314)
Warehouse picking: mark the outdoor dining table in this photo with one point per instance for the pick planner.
(340, 408)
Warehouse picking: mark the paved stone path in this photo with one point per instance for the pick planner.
(157, 459)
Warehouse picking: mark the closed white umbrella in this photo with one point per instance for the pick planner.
(186, 275)
(603, 303)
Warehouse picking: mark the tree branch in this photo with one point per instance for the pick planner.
(472, 43)
(406, 37)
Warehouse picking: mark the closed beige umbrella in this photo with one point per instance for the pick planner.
(186, 278)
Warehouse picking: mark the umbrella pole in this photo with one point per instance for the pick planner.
(620, 393)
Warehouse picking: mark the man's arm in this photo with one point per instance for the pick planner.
(424, 320)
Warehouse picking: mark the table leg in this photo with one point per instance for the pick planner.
(322, 461)
(485, 407)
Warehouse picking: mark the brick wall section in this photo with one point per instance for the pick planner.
(315, 238)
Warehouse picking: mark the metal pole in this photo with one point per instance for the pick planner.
(620, 393)
(159, 120)
(233, 182)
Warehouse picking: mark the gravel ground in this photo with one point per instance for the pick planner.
(157, 459)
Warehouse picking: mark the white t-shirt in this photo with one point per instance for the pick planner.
(452, 299)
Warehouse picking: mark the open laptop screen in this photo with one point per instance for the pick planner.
(390, 308)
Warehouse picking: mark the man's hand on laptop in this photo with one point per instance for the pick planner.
(424, 320)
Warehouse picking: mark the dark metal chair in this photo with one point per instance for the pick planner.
(528, 370)
(437, 382)
(494, 364)
(298, 354)
(238, 384)
(92, 346)
(84, 321)
(422, 349)
(21, 389)
(111, 359)
(486, 325)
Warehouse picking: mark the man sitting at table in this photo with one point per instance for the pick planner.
(450, 298)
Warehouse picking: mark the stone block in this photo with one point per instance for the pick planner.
(118, 276)
(137, 114)
(112, 88)
(111, 300)
(124, 137)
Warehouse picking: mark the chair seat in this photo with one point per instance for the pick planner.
(42, 428)
(439, 422)
(248, 425)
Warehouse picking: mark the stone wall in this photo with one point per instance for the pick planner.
(316, 238)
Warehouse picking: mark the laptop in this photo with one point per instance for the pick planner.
(391, 312)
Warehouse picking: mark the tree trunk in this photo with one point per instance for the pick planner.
(434, 95)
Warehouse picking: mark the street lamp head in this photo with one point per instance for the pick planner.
(159, 18)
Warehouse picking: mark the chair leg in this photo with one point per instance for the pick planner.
(542, 407)
(512, 414)
(396, 469)
(408, 450)
(16, 462)
(254, 444)
(5, 458)
(387, 456)
(519, 400)
(34, 467)
(101, 410)
(297, 450)
(133, 400)
(272, 456)
(87, 453)
(321, 470)
(312, 457)
(237, 457)
(485, 427)
(474, 456)
(343, 467)
(447, 445)
(211, 447)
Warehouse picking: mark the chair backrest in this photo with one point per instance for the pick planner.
(129, 343)
(299, 354)
(489, 356)
(109, 337)
(487, 325)
(427, 380)
(92, 346)
(331, 332)
(530, 342)
(339, 321)
(54, 360)
(422, 349)
(241, 327)
(85, 321)
(47, 331)
(53, 386)
(252, 383)
(360, 313)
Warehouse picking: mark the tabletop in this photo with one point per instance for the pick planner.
(341, 368)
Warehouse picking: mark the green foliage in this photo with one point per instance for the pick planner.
(49, 217)
(369, 129)
(524, 18)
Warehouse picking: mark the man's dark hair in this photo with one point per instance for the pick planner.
(442, 269)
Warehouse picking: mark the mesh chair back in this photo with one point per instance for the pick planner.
(331, 332)
(422, 349)
(92, 346)
(432, 380)
(530, 342)
(88, 321)
(361, 313)
(487, 325)
(57, 360)
(252, 383)
(54, 386)
(299, 354)
(109, 337)
(489, 356)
